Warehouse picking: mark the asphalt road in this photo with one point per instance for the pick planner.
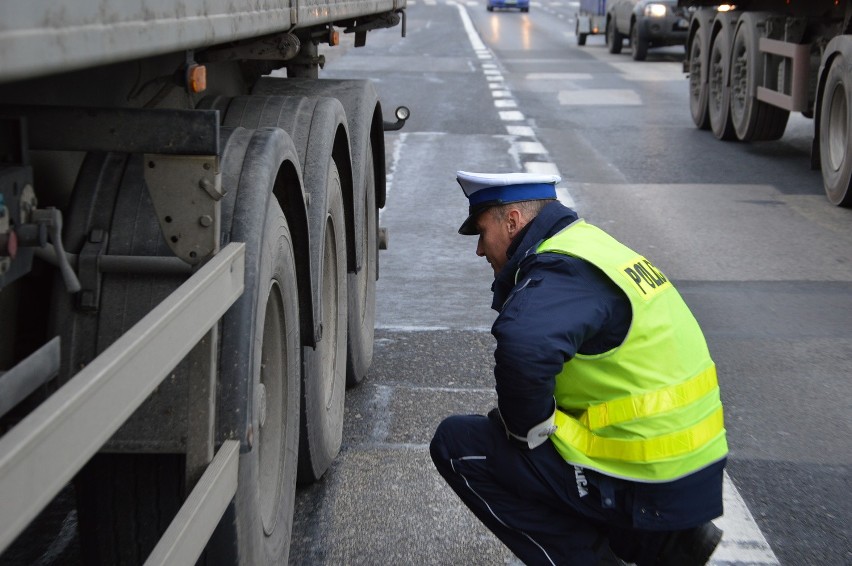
(743, 230)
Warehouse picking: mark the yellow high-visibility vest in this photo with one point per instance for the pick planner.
(648, 410)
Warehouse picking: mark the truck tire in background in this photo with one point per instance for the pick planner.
(366, 137)
(698, 58)
(835, 127)
(753, 120)
(718, 80)
(318, 128)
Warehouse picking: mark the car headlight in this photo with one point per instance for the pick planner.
(656, 10)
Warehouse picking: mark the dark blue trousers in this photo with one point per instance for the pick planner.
(545, 510)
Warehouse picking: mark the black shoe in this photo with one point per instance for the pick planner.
(692, 547)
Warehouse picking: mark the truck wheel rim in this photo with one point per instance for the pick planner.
(695, 72)
(838, 129)
(716, 83)
(330, 318)
(739, 80)
(271, 435)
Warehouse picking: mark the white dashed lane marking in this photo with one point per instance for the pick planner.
(532, 155)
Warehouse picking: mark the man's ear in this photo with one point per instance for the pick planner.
(514, 221)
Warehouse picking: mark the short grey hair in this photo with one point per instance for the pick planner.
(529, 208)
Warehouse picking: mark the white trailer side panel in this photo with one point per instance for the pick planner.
(40, 37)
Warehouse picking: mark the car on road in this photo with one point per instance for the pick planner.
(646, 23)
(522, 5)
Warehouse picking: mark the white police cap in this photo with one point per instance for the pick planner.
(484, 190)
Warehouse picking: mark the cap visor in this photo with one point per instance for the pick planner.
(468, 227)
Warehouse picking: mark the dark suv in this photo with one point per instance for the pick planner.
(647, 23)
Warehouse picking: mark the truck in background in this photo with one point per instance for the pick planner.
(591, 19)
(188, 261)
(751, 64)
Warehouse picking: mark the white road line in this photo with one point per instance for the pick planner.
(599, 97)
(472, 35)
(503, 99)
(654, 71)
(395, 155)
(742, 542)
(545, 168)
(559, 76)
(512, 116)
(532, 147)
(521, 131)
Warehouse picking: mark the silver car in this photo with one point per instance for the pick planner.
(646, 23)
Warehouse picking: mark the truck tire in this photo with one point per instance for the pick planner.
(362, 285)
(324, 379)
(639, 43)
(363, 115)
(698, 51)
(260, 353)
(835, 127)
(314, 122)
(257, 527)
(719, 93)
(614, 38)
(753, 119)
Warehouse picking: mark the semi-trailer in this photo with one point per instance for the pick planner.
(751, 63)
(188, 264)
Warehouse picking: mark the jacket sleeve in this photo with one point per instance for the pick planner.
(559, 304)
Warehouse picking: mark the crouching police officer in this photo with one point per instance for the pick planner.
(608, 435)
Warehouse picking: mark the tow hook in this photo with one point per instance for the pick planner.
(402, 114)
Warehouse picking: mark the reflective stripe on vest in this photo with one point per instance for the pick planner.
(641, 450)
(651, 403)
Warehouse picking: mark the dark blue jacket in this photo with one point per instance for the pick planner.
(570, 306)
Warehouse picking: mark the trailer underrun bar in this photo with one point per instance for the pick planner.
(46, 449)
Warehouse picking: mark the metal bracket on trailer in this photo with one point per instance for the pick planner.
(44, 451)
(186, 190)
(794, 59)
